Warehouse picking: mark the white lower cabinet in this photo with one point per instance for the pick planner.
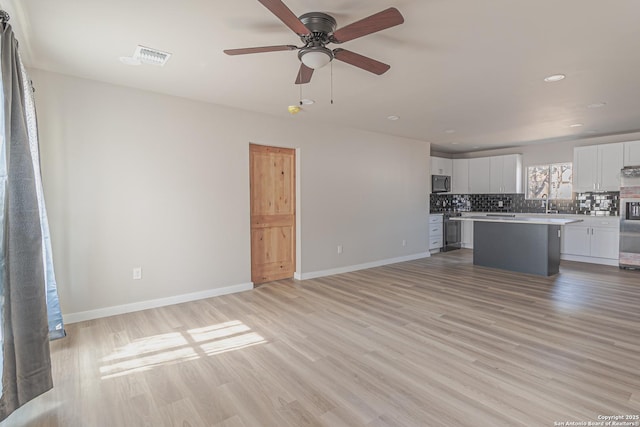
(593, 240)
(436, 240)
(467, 234)
(605, 242)
(576, 240)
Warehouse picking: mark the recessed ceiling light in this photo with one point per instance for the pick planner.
(554, 78)
(450, 131)
(307, 101)
(597, 105)
(455, 143)
(576, 125)
(393, 118)
(476, 146)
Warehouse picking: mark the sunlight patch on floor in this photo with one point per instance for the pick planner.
(230, 344)
(217, 331)
(144, 363)
(148, 345)
(176, 347)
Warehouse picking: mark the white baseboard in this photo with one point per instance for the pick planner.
(154, 303)
(590, 260)
(350, 268)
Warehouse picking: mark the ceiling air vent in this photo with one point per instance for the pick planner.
(146, 55)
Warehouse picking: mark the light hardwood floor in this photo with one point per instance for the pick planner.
(432, 342)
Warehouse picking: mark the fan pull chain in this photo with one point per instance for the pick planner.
(300, 94)
(331, 82)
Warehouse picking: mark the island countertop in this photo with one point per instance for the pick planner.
(518, 219)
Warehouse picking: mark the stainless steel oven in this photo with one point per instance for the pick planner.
(630, 218)
(452, 232)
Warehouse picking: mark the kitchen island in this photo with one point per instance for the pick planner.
(517, 243)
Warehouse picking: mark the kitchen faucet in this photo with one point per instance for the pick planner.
(545, 204)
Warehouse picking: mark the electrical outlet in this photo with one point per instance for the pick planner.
(339, 249)
(137, 273)
(404, 242)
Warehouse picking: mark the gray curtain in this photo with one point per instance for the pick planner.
(26, 364)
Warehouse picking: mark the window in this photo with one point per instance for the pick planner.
(550, 180)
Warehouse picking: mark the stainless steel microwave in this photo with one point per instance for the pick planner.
(440, 184)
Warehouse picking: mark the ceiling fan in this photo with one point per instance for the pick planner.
(317, 30)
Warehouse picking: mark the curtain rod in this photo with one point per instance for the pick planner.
(4, 17)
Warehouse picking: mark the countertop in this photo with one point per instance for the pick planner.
(520, 219)
(586, 218)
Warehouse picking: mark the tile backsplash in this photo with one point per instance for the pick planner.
(582, 203)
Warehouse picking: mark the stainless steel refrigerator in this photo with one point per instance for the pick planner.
(630, 217)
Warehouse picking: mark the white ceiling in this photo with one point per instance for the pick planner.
(468, 66)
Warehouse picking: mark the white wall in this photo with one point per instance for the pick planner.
(134, 178)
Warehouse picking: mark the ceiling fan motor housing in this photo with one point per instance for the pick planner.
(318, 22)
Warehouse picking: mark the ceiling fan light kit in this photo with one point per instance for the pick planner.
(315, 57)
(316, 30)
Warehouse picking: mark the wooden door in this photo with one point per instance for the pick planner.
(273, 213)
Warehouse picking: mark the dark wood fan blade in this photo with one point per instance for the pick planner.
(285, 15)
(380, 21)
(304, 75)
(360, 61)
(259, 49)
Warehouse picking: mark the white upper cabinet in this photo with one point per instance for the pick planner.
(512, 173)
(460, 176)
(611, 158)
(488, 175)
(597, 167)
(585, 165)
(480, 175)
(495, 174)
(506, 174)
(441, 166)
(632, 153)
